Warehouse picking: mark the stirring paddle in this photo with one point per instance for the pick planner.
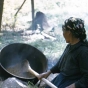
(36, 75)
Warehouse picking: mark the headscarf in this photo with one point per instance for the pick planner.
(75, 25)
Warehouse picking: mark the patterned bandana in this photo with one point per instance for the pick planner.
(76, 25)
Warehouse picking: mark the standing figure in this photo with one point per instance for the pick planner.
(39, 22)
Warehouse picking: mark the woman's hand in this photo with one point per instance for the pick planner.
(44, 75)
(71, 86)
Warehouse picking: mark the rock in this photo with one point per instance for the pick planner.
(13, 83)
(1, 82)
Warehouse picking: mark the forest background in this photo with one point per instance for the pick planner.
(55, 10)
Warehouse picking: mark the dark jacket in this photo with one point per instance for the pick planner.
(73, 63)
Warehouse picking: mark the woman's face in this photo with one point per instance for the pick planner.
(67, 35)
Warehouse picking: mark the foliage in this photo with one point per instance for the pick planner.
(31, 85)
(56, 10)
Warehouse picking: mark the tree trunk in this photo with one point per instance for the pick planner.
(1, 11)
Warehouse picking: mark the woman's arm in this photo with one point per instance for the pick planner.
(44, 75)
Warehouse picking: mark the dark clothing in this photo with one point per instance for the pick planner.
(74, 63)
(62, 81)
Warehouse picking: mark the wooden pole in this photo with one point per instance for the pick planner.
(32, 7)
(1, 11)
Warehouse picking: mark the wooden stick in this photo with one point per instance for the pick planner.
(43, 79)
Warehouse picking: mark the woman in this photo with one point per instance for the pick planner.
(73, 64)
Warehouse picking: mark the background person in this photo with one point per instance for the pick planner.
(40, 22)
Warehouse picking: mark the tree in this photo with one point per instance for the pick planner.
(1, 11)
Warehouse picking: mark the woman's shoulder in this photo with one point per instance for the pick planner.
(84, 50)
